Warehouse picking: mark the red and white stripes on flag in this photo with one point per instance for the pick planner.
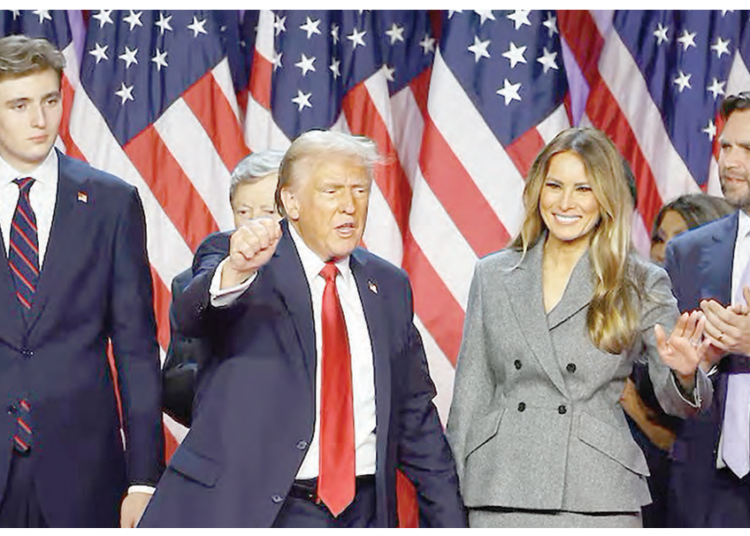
(455, 100)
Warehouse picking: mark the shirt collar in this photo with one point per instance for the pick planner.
(45, 173)
(312, 264)
(743, 226)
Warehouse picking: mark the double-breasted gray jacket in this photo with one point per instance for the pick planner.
(535, 421)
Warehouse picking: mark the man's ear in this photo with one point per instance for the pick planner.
(291, 204)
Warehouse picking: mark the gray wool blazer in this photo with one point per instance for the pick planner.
(535, 421)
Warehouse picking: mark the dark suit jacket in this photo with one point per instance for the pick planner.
(95, 285)
(699, 263)
(180, 371)
(256, 418)
(180, 374)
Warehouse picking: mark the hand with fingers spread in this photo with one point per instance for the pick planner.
(681, 351)
(728, 328)
(251, 246)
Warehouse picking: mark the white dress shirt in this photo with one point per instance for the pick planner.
(741, 253)
(42, 196)
(363, 372)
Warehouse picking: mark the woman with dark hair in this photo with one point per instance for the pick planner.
(553, 326)
(686, 212)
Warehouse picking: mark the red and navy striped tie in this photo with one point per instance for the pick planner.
(22, 437)
(23, 255)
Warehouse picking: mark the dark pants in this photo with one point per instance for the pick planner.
(724, 503)
(20, 505)
(306, 512)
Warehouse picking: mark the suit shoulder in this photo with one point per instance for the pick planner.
(218, 241)
(644, 270)
(699, 235)
(378, 265)
(500, 261)
(93, 176)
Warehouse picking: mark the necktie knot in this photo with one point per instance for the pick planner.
(24, 183)
(329, 272)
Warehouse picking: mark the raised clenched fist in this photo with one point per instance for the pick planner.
(251, 246)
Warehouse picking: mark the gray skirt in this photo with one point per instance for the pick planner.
(497, 517)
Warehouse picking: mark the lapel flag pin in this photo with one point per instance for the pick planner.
(83, 197)
(372, 286)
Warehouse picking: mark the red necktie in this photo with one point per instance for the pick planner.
(337, 469)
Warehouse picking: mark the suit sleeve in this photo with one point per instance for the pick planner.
(135, 348)
(192, 308)
(673, 267)
(423, 452)
(474, 382)
(180, 365)
(659, 307)
(174, 358)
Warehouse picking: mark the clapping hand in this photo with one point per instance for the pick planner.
(682, 351)
(728, 328)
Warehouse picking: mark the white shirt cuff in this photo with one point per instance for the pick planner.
(223, 297)
(141, 489)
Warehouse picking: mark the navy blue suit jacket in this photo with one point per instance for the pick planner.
(95, 285)
(257, 413)
(181, 373)
(699, 262)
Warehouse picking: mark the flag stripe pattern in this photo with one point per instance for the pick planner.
(459, 103)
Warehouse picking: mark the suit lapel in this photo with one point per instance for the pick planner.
(56, 259)
(290, 283)
(715, 264)
(527, 301)
(376, 317)
(576, 296)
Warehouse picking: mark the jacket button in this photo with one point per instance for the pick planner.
(517, 364)
(301, 445)
(27, 353)
(521, 406)
(12, 409)
(562, 410)
(571, 367)
(277, 498)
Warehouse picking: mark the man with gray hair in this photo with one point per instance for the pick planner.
(251, 195)
(319, 386)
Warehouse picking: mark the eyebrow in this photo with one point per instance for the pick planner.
(551, 178)
(19, 100)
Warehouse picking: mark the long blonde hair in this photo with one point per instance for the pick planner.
(612, 316)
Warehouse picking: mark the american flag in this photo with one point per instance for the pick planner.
(653, 81)
(460, 102)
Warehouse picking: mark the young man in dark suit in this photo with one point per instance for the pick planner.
(319, 387)
(74, 275)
